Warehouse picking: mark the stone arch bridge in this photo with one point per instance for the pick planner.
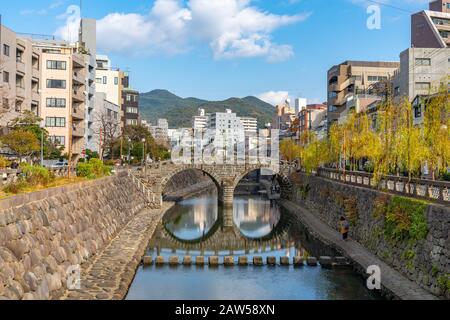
(152, 179)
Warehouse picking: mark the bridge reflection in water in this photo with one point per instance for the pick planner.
(198, 225)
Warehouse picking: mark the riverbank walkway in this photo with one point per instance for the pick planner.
(109, 275)
(391, 279)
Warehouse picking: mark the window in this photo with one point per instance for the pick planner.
(396, 91)
(116, 81)
(56, 84)
(56, 65)
(132, 122)
(56, 103)
(5, 77)
(132, 110)
(55, 122)
(376, 78)
(423, 62)
(423, 86)
(417, 112)
(19, 55)
(135, 98)
(58, 140)
(128, 97)
(98, 80)
(105, 80)
(6, 50)
(5, 103)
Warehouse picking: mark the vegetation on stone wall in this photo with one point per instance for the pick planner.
(444, 283)
(406, 219)
(93, 169)
(349, 205)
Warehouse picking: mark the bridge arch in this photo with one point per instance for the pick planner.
(179, 169)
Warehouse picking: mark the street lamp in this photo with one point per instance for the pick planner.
(143, 152)
(42, 126)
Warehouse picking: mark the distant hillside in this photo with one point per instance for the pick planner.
(179, 111)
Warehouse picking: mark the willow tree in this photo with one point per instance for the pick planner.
(437, 132)
(290, 150)
(315, 154)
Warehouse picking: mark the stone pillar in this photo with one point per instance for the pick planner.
(228, 217)
(226, 195)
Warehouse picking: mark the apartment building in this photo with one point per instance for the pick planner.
(20, 75)
(250, 125)
(300, 104)
(353, 78)
(130, 107)
(431, 28)
(106, 122)
(160, 132)
(200, 121)
(109, 80)
(63, 95)
(422, 71)
(88, 44)
(283, 118)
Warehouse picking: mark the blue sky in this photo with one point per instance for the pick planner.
(215, 49)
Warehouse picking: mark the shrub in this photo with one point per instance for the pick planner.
(445, 176)
(37, 175)
(4, 163)
(405, 218)
(93, 169)
(16, 187)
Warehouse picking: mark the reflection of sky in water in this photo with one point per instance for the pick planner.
(198, 216)
(255, 216)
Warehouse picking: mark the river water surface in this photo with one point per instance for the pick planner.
(255, 226)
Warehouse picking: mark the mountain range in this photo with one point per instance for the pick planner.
(179, 111)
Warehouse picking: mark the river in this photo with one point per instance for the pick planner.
(254, 226)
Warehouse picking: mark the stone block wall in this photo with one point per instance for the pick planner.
(186, 179)
(42, 234)
(426, 261)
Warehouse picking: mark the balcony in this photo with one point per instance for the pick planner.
(35, 96)
(78, 132)
(20, 66)
(78, 95)
(78, 78)
(78, 61)
(35, 73)
(20, 92)
(78, 113)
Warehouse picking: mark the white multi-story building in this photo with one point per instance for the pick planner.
(108, 80)
(250, 125)
(160, 132)
(200, 121)
(300, 104)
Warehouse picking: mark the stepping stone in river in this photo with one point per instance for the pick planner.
(284, 261)
(271, 261)
(243, 261)
(147, 260)
(311, 261)
(326, 262)
(173, 261)
(159, 260)
(200, 260)
(228, 261)
(258, 261)
(298, 262)
(187, 260)
(213, 261)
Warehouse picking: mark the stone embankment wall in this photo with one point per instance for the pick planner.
(424, 260)
(43, 234)
(185, 180)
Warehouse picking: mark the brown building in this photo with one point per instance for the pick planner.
(431, 28)
(353, 78)
(130, 107)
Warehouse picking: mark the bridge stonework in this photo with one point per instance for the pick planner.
(154, 178)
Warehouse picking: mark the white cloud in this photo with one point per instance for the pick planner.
(72, 18)
(274, 97)
(232, 29)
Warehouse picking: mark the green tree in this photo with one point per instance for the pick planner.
(22, 142)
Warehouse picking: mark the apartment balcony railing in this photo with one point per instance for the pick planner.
(79, 78)
(78, 132)
(78, 113)
(20, 92)
(438, 191)
(20, 66)
(35, 96)
(78, 95)
(78, 61)
(35, 73)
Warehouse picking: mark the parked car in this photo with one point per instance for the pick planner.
(60, 165)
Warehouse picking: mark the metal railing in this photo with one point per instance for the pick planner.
(147, 192)
(438, 191)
